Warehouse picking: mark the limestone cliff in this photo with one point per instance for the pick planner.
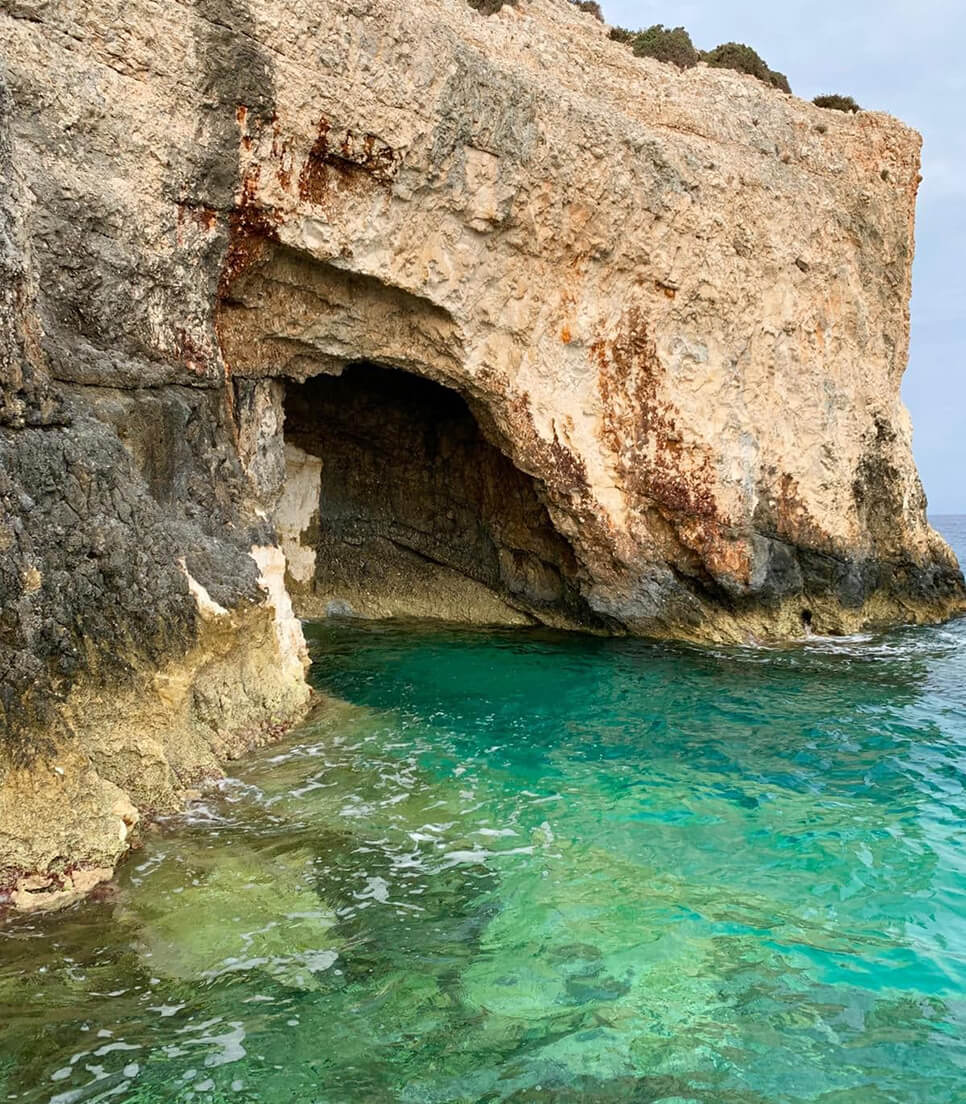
(473, 316)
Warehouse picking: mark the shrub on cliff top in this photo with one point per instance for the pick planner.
(488, 7)
(674, 45)
(743, 59)
(779, 81)
(835, 102)
(590, 6)
(622, 34)
(670, 44)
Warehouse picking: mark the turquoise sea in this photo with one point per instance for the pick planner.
(523, 866)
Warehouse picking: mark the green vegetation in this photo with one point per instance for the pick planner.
(488, 7)
(674, 45)
(590, 6)
(670, 44)
(743, 59)
(622, 34)
(835, 102)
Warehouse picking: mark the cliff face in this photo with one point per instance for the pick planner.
(470, 315)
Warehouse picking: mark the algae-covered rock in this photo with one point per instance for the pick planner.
(243, 912)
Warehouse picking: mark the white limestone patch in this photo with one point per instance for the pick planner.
(207, 606)
(298, 505)
(288, 629)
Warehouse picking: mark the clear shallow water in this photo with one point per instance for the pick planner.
(528, 867)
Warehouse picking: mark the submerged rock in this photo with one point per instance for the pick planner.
(395, 309)
(241, 913)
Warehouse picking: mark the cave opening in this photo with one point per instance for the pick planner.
(395, 504)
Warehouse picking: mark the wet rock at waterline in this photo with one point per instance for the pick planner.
(403, 309)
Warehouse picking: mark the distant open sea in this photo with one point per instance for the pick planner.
(531, 867)
(953, 528)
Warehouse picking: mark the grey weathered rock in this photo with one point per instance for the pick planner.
(674, 306)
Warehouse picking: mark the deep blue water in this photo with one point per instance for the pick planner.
(534, 867)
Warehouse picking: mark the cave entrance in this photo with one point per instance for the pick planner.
(395, 504)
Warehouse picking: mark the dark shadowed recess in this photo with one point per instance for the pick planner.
(410, 484)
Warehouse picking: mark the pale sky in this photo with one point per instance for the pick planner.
(905, 58)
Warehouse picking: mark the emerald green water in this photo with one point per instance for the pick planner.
(530, 867)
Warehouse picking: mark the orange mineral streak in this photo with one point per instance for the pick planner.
(668, 480)
(335, 164)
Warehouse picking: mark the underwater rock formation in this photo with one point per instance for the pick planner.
(474, 316)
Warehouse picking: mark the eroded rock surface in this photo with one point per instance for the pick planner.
(634, 338)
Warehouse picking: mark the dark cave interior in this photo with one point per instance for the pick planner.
(413, 495)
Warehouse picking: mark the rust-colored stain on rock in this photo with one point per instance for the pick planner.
(638, 426)
(353, 158)
(249, 226)
(659, 470)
